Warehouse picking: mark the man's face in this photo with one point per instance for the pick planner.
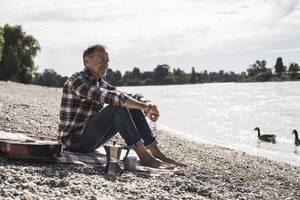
(98, 64)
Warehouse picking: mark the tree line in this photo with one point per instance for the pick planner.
(162, 75)
(17, 51)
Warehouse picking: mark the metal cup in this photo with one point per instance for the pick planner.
(130, 163)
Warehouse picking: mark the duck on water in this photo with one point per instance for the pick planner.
(265, 137)
(297, 141)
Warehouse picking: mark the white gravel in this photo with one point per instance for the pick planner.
(213, 172)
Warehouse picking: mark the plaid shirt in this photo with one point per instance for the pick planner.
(83, 96)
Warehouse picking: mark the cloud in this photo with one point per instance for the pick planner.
(284, 50)
(282, 8)
(58, 15)
(162, 45)
(228, 12)
(149, 30)
(243, 6)
(52, 15)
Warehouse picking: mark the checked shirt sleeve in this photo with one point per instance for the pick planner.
(86, 89)
(137, 96)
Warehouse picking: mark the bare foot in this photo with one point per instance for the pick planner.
(173, 162)
(154, 151)
(148, 160)
(157, 164)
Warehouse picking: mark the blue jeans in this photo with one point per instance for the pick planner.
(130, 123)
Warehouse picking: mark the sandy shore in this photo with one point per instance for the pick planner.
(213, 172)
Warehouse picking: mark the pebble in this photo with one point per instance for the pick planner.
(213, 172)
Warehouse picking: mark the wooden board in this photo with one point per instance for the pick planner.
(20, 146)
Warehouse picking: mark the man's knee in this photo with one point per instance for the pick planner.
(131, 111)
(136, 112)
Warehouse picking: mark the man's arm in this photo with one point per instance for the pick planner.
(137, 96)
(133, 103)
(113, 97)
(149, 109)
(83, 88)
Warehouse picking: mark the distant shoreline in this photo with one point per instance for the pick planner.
(279, 81)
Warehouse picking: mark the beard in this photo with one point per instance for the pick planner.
(102, 73)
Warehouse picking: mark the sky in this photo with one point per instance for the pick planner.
(209, 35)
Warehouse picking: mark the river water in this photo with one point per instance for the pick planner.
(225, 114)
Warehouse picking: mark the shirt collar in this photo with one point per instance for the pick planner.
(90, 76)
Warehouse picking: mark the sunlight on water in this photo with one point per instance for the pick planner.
(226, 114)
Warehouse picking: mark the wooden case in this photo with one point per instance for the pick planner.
(32, 147)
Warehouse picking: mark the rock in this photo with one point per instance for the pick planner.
(213, 172)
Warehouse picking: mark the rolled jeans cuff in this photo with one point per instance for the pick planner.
(151, 144)
(139, 142)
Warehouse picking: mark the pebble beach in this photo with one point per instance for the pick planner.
(212, 172)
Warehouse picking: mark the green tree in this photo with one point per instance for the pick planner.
(50, 78)
(294, 67)
(114, 78)
(1, 42)
(146, 75)
(199, 77)
(243, 76)
(233, 77)
(136, 73)
(213, 77)
(193, 77)
(127, 77)
(279, 67)
(169, 79)
(256, 68)
(179, 76)
(264, 76)
(259, 72)
(17, 55)
(148, 81)
(130, 79)
(293, 71)
(204, 76)
(147, 78)
(160, 73)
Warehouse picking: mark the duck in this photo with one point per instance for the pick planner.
(266, 137)
(297, 141)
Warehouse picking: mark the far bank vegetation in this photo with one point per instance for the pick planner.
(18, 49)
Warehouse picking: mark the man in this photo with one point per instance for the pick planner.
(85, 124)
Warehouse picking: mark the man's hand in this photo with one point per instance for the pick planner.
(142, 99)
(153, 113)
(150, 110)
